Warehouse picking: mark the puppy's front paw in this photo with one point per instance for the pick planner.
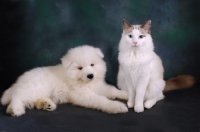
(122, 108)
(139, 108)
(15, 112)
(124, 95)
(116, 107)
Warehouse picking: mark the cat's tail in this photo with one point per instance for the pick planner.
(179, 82)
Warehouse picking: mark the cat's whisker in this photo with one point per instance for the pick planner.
(115, 50)
(156, 50)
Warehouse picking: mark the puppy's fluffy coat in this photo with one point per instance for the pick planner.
(78, 80)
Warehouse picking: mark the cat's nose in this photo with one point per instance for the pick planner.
(135, 42)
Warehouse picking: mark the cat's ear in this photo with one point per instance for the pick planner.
(126, 25)
(147, 25)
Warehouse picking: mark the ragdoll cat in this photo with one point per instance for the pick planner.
(141, 70)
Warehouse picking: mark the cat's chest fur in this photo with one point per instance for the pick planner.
(135, 60)
(135, 66)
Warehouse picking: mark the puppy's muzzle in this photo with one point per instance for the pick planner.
(90, 76)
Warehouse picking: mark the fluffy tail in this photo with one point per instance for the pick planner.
(6, 97)
(179, 82)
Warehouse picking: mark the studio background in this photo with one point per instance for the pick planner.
(38, 33)
(35, 33)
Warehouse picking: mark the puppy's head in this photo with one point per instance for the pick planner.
(84, 64)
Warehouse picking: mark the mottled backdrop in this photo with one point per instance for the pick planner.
(38, 32)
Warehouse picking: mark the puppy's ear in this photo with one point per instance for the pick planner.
(99, 52)
(66, 62)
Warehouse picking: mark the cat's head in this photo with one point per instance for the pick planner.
(136, 36)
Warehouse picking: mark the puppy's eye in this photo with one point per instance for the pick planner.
(141, 36)
(92, 65)
(130, 36)
(80, 68)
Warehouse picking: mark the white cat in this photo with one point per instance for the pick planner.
(141, 70)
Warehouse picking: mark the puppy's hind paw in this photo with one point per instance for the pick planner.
(45, 105)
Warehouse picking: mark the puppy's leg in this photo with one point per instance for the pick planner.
(112, 92)
(94, 101)
(45, 104)
(16, 108)
(6, 97)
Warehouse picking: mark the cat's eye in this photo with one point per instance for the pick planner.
(130, 36)
(92, 65)
(142, 36)
(80, 68)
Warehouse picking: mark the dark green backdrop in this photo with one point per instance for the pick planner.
(38, 32)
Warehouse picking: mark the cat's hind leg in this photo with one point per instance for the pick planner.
(45, 104)
(154, 93)
(149, 103)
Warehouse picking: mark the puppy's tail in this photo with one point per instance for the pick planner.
(179, 82)
(6, 97)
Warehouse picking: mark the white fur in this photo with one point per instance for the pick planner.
(65, 83)
(140, 70)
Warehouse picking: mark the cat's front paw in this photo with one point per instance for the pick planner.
(130, 104)
(139, 108)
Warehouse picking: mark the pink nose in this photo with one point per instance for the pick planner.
(135, 42)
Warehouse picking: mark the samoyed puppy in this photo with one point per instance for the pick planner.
(79, 80)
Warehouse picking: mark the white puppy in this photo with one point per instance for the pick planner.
(78, 80)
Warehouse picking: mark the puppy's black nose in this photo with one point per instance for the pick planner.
(90, 76)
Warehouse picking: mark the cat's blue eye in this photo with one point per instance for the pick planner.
(130, 36)
(141, 36)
